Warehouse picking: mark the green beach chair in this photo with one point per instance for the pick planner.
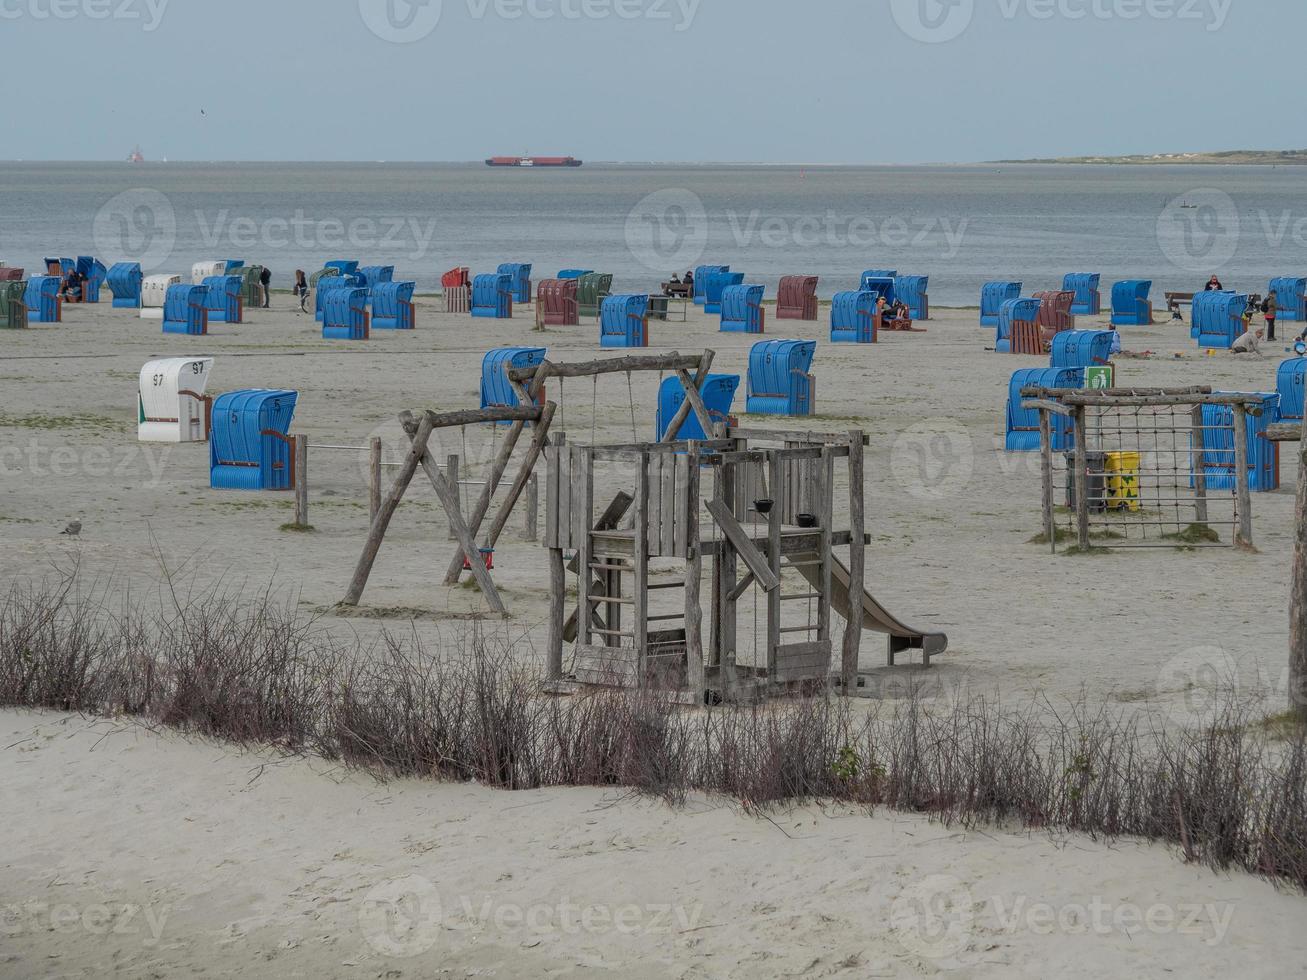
(13, 311)
(591, 290)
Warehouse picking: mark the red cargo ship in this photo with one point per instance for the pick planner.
(533, 162)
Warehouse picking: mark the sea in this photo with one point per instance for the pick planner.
(961, 225)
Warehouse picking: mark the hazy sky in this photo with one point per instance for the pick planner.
(809, 81)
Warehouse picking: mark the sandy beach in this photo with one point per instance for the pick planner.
(257, 866)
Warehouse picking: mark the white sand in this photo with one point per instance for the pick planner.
(247, 866)
(267, 878)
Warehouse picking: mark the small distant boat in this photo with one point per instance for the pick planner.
(1188, 207)
(136, 156)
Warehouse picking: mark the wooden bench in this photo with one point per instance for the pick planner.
(677, 289)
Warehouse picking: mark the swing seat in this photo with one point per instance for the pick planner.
(487, 558)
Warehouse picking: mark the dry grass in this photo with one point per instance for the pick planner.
(249, 669)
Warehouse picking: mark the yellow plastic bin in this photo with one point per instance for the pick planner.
(1123, 481)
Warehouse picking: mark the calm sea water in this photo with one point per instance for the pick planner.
(961, 225)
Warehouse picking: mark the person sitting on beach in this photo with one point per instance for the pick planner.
(1214, 285)
(883, 309)
(72, 289)
(668, 289)
(901, 311)
(689, 281)
(1248, 343)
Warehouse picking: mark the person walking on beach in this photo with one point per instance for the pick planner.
(302, 290)
(265, 280)
(1270, 310)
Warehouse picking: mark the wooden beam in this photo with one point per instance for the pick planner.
(1242, 494)
(1285, 432)
(449, 500)
(1046, 474)
(1043, 405)
(1199, 449)
(832, 440)
(538, 441)
(1081, 477)
(389, 504)
(474, 416)
(695, 398)
(673, 361)
(695, 672)
(742, 587)
(857, 564)
(374, 477)
(528, 413)
(683, 412)
(739, 539)
(557, 602)
(1298, 596)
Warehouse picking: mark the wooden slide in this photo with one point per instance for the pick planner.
(875, 617)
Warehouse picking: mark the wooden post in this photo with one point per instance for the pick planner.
(1243, 498)
(389, 504)
(640, 590)
(533, 509)
(301, 481)
(825, 510)
(857, 564)
(781, 491)
(557, 604)
(583, 522)
(1200, 473)
(1046, 465)
(374, 478)
(693, 574)
(451, 474)
(1298, 598)
(1081, 477)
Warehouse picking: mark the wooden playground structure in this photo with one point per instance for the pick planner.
(757, 506)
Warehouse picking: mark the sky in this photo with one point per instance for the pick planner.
(766, 81)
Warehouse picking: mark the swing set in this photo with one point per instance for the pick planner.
(770, 527)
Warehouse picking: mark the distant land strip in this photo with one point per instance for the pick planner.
(1241, 157)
